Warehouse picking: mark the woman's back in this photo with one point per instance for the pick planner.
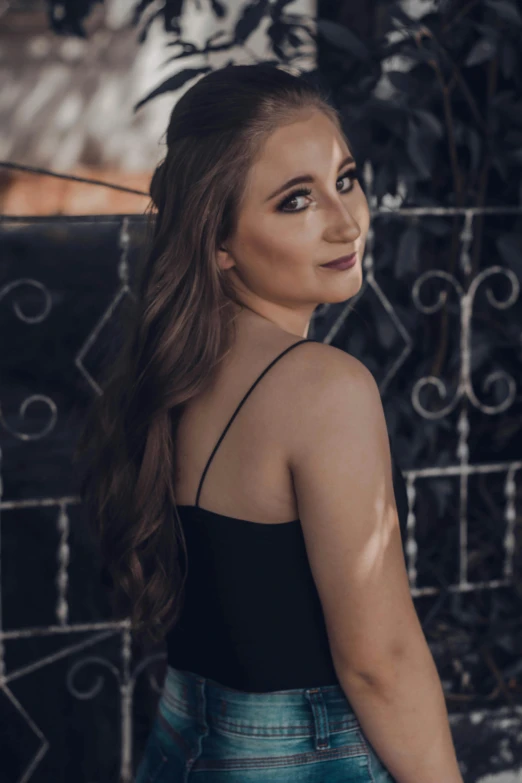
(248, 476)
(252, 617)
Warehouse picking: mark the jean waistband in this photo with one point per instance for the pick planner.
(206, 700)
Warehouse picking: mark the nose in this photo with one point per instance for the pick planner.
(343, 225)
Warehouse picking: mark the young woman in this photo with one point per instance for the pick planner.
(270, 560)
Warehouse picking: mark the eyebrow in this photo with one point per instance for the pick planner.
(305, 178)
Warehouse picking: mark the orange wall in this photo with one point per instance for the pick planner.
(22, 193)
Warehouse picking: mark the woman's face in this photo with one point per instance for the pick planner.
(282, 238)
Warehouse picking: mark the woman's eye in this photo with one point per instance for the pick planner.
(352, 175)
(288, 200)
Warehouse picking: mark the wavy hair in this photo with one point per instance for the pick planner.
(181, 328)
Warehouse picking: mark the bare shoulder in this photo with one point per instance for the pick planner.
(320, 362)
(332, 404)
(319, 374)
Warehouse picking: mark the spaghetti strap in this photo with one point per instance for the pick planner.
(238, 409)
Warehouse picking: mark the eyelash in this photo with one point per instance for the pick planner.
(353, 174)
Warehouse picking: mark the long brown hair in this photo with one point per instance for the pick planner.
(182, 327)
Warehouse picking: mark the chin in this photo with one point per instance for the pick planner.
(345, 289)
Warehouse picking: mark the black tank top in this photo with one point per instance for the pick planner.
(251, 617)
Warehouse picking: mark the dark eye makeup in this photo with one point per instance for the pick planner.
(353, 174)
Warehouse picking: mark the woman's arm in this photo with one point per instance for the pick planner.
(339, 457)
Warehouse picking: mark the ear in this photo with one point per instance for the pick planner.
(224, 259)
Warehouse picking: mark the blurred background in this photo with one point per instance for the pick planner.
(430, 93)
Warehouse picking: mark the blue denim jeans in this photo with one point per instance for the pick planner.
(205, 732)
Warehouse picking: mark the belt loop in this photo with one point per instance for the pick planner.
(201, 698)
(322, 730)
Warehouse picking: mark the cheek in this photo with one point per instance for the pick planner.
(281, 240)
(265, 248)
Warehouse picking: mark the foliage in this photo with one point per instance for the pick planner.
(459, 100)
(66, 17)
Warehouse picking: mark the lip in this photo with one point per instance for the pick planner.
(345, 262)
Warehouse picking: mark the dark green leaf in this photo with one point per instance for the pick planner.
(431, 123)
(139, 10)
(486, 31)
(174, 83)
(399, 17)
(170, 11)
(148, 24)
(250, 20)
(423, 55)
(506, 10)
(218, 9)
(482, 51)
(276, 32)
(343, 38)
(188, 49)
(401, 80)
(294, 40)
